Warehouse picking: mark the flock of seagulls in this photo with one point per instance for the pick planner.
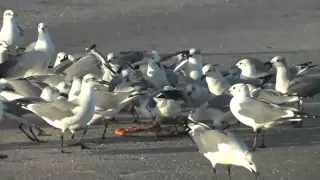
(72, 92)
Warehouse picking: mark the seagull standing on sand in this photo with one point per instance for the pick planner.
(221, 147)
(10, 32)
(260, 115)
(43, 43)
(66, 115)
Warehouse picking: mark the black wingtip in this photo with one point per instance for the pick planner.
(93, 46)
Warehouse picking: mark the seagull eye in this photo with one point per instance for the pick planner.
(250, 163)
(193, 89)
(234, 88)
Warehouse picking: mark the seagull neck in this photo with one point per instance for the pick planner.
(44, 37)
(86, 94)
(75, 88)
(195, 60)
(7, 23)
(241, 96)
(47, 95)
(282, 80)
(249, 72)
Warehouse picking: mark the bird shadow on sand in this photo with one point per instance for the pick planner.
(278, 137)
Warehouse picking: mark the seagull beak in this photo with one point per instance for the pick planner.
(268, 64)
(227, 92)
(158, 63)
(202, 77)
(256, 174)
(226, 74)
(63, 95)
(65, 57)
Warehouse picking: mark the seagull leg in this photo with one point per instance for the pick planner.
(215, 172)
(61, 138)
(72, 136)
(80, 142)
(254, 147)
(104, 131)
(2, 156)
(176, 129)
(229, 171)
(41, 132)
(135, 115)
(81, 139)
(35, 137)
(263, 138)
(31, 138)
(157, 133)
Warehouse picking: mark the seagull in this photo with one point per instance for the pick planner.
(191, 66)
(248, 70)
(155, 72)
(11, 32)
(221, 147)
(13, 111)
(197, 95)
(66, 115)
(107, 104)
(44, 43)
(4, 54)
(166, 107)
(217, 110)
(264, 114)
(217, 84)
(303, 86)
(63, 61)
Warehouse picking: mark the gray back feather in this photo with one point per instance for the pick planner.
(261, 112)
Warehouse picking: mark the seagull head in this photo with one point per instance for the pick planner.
(89, 79)
(244, 64)
(154, 56)
(42, 27)
(190, 89)
(239, 88)
(50, 93)
(278, 61)
(195, 53)
(61, 56)
(112, 58)
(9, 14)
(249, 162)
(207, 69)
